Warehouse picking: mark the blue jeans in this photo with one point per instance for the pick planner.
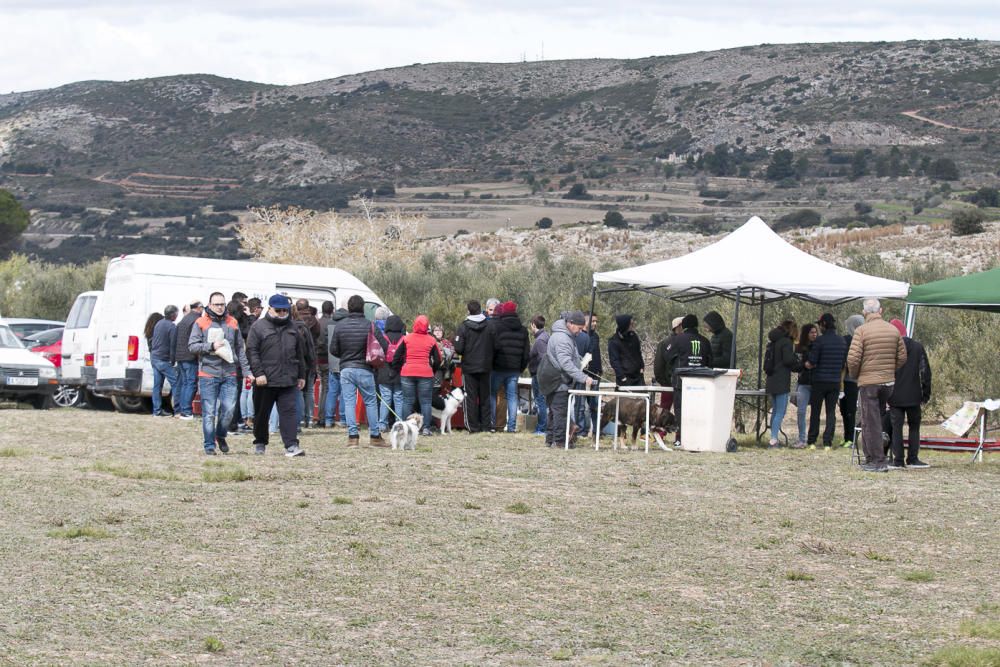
(780, 404)
(392, 396)
(162, 369)
(414, 388)
(218, 401)
(187, 379)
(334, 396)
(352, 381)
(540, 407)
(802, 396)
(581, 412)
(508, 380)
(246, 402)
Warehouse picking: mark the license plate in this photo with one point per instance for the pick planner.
(23, 382)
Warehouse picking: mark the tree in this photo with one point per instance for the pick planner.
(544, 223)
(966, 222)
(615, 219)
(943, 169)
(985, 196)
(13, 220)
(804, 217)
(859, 164)
(781, 165)
(578, 191)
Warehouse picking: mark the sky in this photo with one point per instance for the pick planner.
(48, 43)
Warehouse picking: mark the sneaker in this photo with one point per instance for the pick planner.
(538, 433)
(917, 463)
(223, 445)
(377, 441)
(426, 432)
(353, 441)
(799, 445)
(847, 444)
(896, 466)
(259, 448)
(812, 446)
(186, 418)
(827, 448)
(874, 467)
(772, 444)
(294, 450)
(209, 452)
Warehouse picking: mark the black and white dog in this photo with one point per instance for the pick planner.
(452, 401)
(404, 433)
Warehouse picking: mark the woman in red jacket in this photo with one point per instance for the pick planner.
(417, 358)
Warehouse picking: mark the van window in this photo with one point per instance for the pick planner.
(79, 316)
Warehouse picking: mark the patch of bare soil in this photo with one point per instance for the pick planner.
(122, 544)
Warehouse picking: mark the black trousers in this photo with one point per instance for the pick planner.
(823, 393)
(849, 409)
(912, 415)
(558, 405)
(678, 399)
(264, 398)
(477, 401)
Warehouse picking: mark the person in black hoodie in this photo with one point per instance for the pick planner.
(474, 342)
(511, 350)
(912, 388)
(779, 377)
(625, 353)
(826, 359)
(390, 387)
(688, 350)
(722, 340)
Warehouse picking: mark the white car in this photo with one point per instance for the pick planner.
(24, 376)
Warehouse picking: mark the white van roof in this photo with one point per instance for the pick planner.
(169, 265)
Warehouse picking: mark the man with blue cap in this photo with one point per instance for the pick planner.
(277, 360)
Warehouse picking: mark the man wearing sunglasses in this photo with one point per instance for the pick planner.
(217, 369)
(278, 364)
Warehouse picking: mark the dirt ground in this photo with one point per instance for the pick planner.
(123, 544)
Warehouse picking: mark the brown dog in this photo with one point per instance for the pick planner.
(632, 412)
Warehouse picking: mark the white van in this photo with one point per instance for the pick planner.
(137, 285)
(79, 341)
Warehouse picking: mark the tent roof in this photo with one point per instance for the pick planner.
(976, 291)
(753, 256)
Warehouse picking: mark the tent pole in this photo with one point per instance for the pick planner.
(761, 404)
(593, 298)
(736, 330)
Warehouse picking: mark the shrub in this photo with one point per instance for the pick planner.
(544, 223)
(615, 219)
(862, 208)
(943, 169)
(967, 222)
(804, 217)
(578, 191)
(985, 197)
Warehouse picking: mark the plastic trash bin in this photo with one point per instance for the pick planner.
(707, 409)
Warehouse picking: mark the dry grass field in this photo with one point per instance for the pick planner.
(123, 544)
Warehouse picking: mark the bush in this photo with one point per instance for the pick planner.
(804, 217)
(44, 290)
(967, 222)
(862, 208)
(544, 223)
(985, 197)
(578, 191)
(943, 169)
(615, 219)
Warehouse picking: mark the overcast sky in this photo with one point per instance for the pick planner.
(48, 43)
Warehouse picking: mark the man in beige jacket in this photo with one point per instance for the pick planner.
(876, 352)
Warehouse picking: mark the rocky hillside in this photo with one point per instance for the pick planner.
(205, 138)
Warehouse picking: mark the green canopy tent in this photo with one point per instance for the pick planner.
(976, 291)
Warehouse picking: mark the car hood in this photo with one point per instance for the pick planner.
(12, 357)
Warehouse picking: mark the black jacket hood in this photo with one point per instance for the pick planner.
(714, 321)
(776, 334)
(623, 322)
(394, 324)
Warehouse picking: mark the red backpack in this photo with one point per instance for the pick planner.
(390, 352)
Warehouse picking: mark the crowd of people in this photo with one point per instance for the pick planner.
(874, 366)
(256, 370)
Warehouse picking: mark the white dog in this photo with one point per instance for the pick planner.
(451, 403)
(404, 433)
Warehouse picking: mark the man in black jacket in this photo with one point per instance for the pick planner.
(510, 357)
(688, 350)
(722, 340)
(912, 388)
(350, 343)
(474, 342)
(276, 354)
(595, 370)
(826, 359)
(625, 353)
(187, 362)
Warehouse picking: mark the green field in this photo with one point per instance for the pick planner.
(123, 544)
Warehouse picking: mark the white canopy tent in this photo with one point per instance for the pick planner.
(753, 265)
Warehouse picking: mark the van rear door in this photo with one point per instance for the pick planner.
(78, 339)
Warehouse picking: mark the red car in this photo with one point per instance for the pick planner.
(48, 344)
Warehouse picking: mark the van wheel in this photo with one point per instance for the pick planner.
(67, 396)
(129, 403)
